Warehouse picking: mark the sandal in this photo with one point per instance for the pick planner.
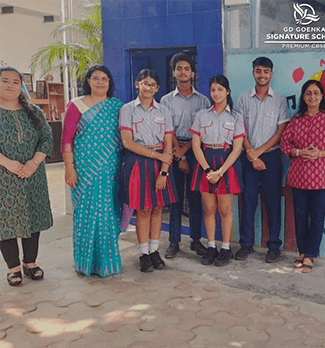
(31, 272)
(307, 268)
(298, 263)
(12, 276)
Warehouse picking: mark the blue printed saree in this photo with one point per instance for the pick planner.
(96, 209)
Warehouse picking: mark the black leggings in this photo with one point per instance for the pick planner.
(10, 251)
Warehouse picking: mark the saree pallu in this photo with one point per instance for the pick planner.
(231, 181)
(96, 207)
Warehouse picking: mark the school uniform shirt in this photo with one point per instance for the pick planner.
(148, 126)
(262, 117)
(300, 133)
(183, 110)
(218, 129)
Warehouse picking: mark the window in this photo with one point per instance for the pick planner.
(238, 34)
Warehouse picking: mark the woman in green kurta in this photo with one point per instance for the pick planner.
(25, 140)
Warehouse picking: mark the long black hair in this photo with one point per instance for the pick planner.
(28, 107)
(145, 73)
(223, 81)
(302, 104)
(86, 88)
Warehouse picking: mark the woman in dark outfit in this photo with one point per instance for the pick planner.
(25, 140)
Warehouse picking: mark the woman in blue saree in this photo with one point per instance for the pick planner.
(91, 149)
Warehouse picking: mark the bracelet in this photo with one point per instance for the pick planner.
(35, 162)
(297, 153)
(247, 151)
(220, 175)
(207, 170)
(152, 151)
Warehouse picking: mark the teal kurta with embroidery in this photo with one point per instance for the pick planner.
(24, 203)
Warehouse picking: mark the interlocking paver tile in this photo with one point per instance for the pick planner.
(294, 344)
(241, 334)
(294, 319)
(281, 335)
(154, 318)
(315, 337)
(169, 334)
(206, 334)
(259, 321)
(52, 332)
(225, 321)
(189, 303)
(127, 334)
(189, 320)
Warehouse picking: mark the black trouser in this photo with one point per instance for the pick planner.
(10, 251)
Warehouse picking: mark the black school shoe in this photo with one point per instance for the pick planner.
(156, 260)
(145, 263)
(272, 255)
(243, 253)
(198, 247)
(224, 257)
(172, 250)
(209, 256)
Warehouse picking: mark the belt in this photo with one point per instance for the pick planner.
(155, 147)
(224, 146)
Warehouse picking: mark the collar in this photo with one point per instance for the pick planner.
(270, 92)
(212, 108)
(176, 91)
(154, 104)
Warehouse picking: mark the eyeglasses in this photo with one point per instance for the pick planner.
(147, 85)
(100, 79)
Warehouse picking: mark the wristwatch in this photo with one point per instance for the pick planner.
(163, 173)
(183, 158)
(207, 170)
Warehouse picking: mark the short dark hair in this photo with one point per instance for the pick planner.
(224, 82)
(302, 104)
(179, 57)
(264, 61)
(145, 73)
(28, 107)
(86, 88)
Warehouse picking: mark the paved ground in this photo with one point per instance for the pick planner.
(246, 304)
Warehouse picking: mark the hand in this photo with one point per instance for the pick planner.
(258, 164)
(161, 182)
(213, 176)
(28, 169)
(251, 154)
(184, 166)
(310, 153)
(71, 176)
(178, 152)
(14, 166)
(166, 158)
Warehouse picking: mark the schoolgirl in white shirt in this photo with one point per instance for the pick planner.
(147, 184)
(218, 134)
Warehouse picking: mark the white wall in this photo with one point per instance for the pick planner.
(24, 32)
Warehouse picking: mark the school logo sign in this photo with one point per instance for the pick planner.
(304, 14)
(302, 35)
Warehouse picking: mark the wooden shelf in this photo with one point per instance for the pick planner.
(53, 107)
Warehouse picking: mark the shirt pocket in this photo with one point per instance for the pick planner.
(228, 129)
(205, 127)
(137, 121)
(159, 124)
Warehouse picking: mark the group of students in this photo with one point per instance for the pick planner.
(184, 135)
(217, 150)
(204, 142)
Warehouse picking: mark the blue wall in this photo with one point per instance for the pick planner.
(134, 24)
